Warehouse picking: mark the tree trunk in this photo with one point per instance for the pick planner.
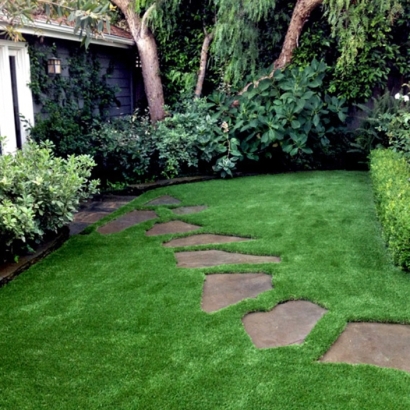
(301, 13)
(148, 52)
(202, 66)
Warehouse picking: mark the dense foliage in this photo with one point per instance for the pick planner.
(390, 175)
(286, 113)
(72, 105)
(38, 194)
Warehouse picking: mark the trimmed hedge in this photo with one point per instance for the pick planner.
(390, 174)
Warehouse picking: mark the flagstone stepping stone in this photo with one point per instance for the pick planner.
(204, 259)
(171, 227)
(221, 290)
(380, 344)
(126, 221)
(185, 210)
(287, 324)
(164, 200)
(203, 239)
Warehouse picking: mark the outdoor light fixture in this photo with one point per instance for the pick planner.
(54, 66)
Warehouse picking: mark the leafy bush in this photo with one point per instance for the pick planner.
(374, 124)
(39, 193)
(390, 175)
(188, 137)
(123, 148)
(285, 112)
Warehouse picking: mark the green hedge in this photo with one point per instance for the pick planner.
(390, 174)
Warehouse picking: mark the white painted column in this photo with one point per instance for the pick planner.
(7, 127)
(25, 100)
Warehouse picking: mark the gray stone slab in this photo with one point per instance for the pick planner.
(126, 221)
(203, 239)
(380, 344)
(77, 227)
(221, 290)
(204, 259)
(287, 324)
(164, 200)
(89, 217)
(171, 227)
(185, 210)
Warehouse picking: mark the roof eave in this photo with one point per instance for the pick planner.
(67, 33)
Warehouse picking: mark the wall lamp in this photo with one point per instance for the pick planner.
(54, 66)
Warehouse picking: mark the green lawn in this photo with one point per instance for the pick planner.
(109, 321)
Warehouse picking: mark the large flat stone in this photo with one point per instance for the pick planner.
(287, 324)
(221, 290)
(204, 259)
(89, 217)
(185, 210)
(171, 227)
(164, 200)
(126, 221)
(203, 239)
(381, 344)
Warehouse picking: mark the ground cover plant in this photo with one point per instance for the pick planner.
(111, 322)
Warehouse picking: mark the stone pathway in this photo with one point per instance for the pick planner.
(289, 323)
(164, 200)
(171, 227)
(203, 239)
(380, 344)
(205, 259)
(221, 290)
(93, 211)
(126, 221)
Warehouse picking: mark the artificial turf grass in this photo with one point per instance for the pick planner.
(110, 322)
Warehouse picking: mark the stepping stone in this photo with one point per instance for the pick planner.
(204, 259)
(164, 200)
(221, 290)
(287, 324)
(380, 344)
(89, 217)
(171, 227)
(185, 210)
(203, 239)
(127, 220)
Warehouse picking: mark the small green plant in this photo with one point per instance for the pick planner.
(374, 124)
(39, 193)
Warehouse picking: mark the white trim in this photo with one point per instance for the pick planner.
(64, 32)
(25, 99)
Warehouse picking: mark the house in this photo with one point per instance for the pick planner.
(16, 100)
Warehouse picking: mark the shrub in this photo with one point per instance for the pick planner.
(39, 193)
(390, 175)
(123, 148)
(286, 112)
(188, 137)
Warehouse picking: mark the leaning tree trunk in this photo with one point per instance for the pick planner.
(148, 52)
(202, 66)
(301, 13)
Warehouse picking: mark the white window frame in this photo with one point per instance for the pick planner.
(25, 99)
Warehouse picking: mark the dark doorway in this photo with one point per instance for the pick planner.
(15, 100)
